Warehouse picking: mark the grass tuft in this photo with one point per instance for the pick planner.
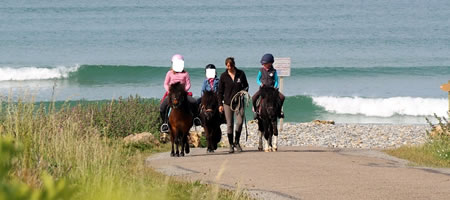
(434, 153)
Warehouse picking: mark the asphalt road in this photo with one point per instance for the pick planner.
(309, 173)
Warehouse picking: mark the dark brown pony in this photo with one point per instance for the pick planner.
(267, 119)
(210, 117)
(180, 119)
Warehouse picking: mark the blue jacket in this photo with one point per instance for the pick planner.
(207, 87)
(267, 77)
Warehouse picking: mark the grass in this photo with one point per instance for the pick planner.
(82, 147)
(434, 153)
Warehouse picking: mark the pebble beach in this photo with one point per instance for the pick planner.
(363, 136)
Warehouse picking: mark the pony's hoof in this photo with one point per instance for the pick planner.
(274, 149)
(172, 154)
(178, 155)
(260, 149)
(209, 151)
(182, 154)
(266, 150)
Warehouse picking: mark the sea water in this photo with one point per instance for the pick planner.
(352, 61)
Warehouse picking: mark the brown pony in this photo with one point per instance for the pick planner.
(180, 119)
(210, 117)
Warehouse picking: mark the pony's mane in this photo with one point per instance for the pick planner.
(269, 94)
(177, 88)
(209, 97)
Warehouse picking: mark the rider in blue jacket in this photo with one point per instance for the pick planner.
(267, 76)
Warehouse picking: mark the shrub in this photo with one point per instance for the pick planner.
(10, 188)
(440, 137)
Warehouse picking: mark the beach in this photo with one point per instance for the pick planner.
(361, 136)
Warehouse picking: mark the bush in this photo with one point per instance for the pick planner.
(10, 188)
(440, 138)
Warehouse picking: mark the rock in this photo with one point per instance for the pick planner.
(141, 138)
(317, 122)
(194, 138)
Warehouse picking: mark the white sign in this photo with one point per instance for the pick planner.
(283, 66)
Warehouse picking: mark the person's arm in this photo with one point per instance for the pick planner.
(244, 81)
(258, 78)
(167, 80)
(188, 82)
(220, 93)
(203, 87)
(275, 76)
(221, 90)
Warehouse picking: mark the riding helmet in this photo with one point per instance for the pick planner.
(267, 58)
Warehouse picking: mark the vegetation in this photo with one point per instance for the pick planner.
(76, 152)
(434, 153)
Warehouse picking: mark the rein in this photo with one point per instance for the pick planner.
(241, 95)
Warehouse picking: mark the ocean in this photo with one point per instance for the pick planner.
(352, 61)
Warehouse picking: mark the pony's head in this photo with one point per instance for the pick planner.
(209, 105)
(177, 95)
(270, 102)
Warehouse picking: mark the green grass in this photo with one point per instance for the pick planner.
(82, 147)
(434, 153)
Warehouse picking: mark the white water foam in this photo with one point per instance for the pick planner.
(383, 107)
(35, 73)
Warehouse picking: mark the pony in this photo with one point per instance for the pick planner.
(180, 119)
(267, 119)
(211, 119)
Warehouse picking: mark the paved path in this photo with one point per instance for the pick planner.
(310, 173)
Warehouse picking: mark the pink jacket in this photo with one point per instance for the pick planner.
(182, 77)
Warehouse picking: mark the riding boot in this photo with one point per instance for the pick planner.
(164, 125)
(236, 141)
(230, 140)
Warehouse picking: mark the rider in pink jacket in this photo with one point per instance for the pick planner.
(177, 74)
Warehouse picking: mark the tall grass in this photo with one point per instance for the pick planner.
(82, 144)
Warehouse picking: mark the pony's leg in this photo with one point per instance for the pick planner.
(209, 139)
(172, 153)
(275, 137)
(183, 142)
(270, 143)
(186, 147)
(266, 145)
(177, 144)
(172, 140)
(260, 146)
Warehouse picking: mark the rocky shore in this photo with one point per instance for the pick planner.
(366, 136)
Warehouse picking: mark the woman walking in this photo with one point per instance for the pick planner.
(231, 82)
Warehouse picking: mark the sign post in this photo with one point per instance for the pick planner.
(446, 87)
(283, 67)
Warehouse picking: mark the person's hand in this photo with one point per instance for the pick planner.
(221, 109)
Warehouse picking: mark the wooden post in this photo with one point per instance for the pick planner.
(281, 90)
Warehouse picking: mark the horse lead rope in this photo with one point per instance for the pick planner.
(241, 95)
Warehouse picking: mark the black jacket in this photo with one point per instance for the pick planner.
(228, 88)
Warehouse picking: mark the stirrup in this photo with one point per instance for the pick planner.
(164, 128)
(281, 115)
(197, 121)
